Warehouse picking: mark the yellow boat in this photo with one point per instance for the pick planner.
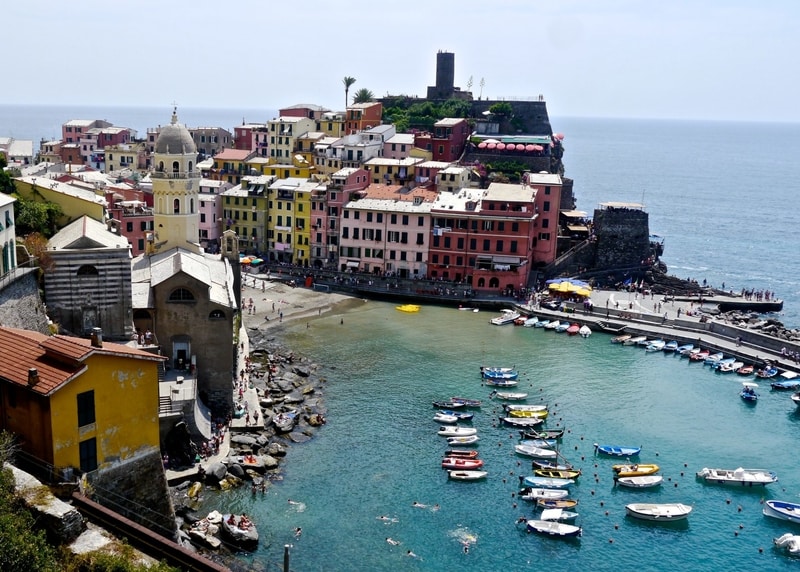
(408, 308)
(635, 470)
(528, 414)
(558, 474)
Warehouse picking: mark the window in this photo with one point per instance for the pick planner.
(514, 227)
(473, 243)
(486, 245)
(393, 219)
(216, 315)
(545, 223)
(202, 217)
(420, 238)
(460, 243)
(501, 226)
(88, 455)
(87, 270)
(546, 206)
(447, 242)
(405, 220)
(421, 221)
(488, 225)
(129, 226)
(513, 246)
(181, 295)
(369, 217)
(143, 225)
(86, 414)
(380, 217)
(176, 206)
(499, 246)
(544, 236)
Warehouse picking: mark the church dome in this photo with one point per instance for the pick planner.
(175, 139)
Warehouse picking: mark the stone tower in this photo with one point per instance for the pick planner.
(176, 183)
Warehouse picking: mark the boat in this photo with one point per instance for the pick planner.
(740, 476)
(789, 541)
(447, 404)
(685, 350)
(450, 431)
(462, 463)
(530, 322)
(670, 346)
(723, 362)
(558, 514)
(641, 482)
(700, 356)
(533, 493)
(621, 339)
(505, 317)
(796, 398)
(541, 323)
(546, 482)
(410, 308)
(499, 373)
(553, 528)
(782, 510)
(557, 503)
(634, 341)
(543, 443)
(508, 395)
(557, 474)
(617, 450)
(767, 372)
(459, 415)
(552, 325)
(500, 382)
(521, 320)
(467, 475)
(788, 381)
(442, 417)
(562, 327)
(524, 407)
(550, 465)
(748, 392)
(573, 329)
(468, 309)
(543, 434)
(635, 470)
(466, 453)
(463, 440)
(655, 346)
(713, 358)
(585, 331)
(730, 367)
(522, 421)
(528, 413)
(747, 369)
(537, 452)
(660, 512)
(466, 402)
(645, 342)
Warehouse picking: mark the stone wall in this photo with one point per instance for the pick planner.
(136, 489)
(20, 303)
(623, 237)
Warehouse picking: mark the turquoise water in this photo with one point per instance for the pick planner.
(379, 452)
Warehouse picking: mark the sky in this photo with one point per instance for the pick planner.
(675, 59)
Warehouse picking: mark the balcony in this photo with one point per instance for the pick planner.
(176, 175)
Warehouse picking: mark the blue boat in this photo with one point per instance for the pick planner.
(461, 415)
(789, 381)
(546, 482)
(722, 362)
(617, 450)
(748, 392)
(499, 373)
(684, 350)
(671, 346)
(767, 371)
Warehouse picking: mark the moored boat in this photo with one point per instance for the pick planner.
(450, 431)
(447, 404)
(789, 541)
(462, 463)
(509, 395)
(782, 510)
(409, 308)
(621, 339)
(524, 407)
(634, 341)
(712, 359)
(573, 329)
(500, 382)
(553, 528)
(467, 475)
(670, 346)
(552, 325)
(459, 415)
(730, 367)
(441, 417)
(788, 380)
(635, 470)
(738, 477)
(558, 514)
(505, 317)
(549, 464)
(767, 372)
(685, 350)
(543, 434)
(617, 450)
(463, 440)
(558, 474)
(641, 482)
(562, 327)
(541, 323)
(585, 331)
(661, 512)
(528, 413)
(522, 421)
(747, 369)
(723, 362)
(499, 374)
(699, 356)
(655, 346)
(466, 453)
(536, 452)
(466, 402)
(537, 494)
(546, 482)
(557, 503)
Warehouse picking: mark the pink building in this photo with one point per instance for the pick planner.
(547, 188)
(131, 216)
(210, 211)
(398, 146)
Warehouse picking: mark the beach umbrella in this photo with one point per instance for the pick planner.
(511, 147)
(501, 146)
(565, 286)
(554, 285)
(584, 292)
(559, 136)
(482, 145)
(538, 148)
(530, 147)
(256, 261)
(245, 260)
(491, 145)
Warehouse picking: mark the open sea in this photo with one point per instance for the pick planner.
(723, 196)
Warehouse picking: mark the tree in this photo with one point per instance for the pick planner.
(501, 108)
(363, 95)
(34, 216)
(6, 182)
(347, 81)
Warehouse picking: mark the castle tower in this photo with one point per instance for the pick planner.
(445, 72)
(176, 183)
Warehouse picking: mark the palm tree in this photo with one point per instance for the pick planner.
(347, 81)
(363, 95)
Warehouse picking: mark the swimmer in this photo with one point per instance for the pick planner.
(297, 532)
(392, 541)
(294, 502)
(386, 519)
(435, 507)
(411, 554)
(466, 546)
(419, 505)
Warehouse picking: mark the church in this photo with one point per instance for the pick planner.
(184, 300)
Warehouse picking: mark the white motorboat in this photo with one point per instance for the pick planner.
(463, 440)
(730, 367)
(553, 528)
(533, 493)
(505, 317)
(740, 477)
(467, 475)
(536, 452)
(552, 325)
(522, 421)
(557, 514)
(509, 395)
(662, 512)
(783, 510)
(634, 341)
(789, 541)
(449, 431)
(585, 331)
(640, 482)
(524, 407)
(530, 322)
(445, 418)
(655, 346)
(562, 327)
(546, 482)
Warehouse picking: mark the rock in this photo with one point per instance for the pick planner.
(298, 437)
(236, 470)
(216, 471)
(294, 397)
(276, 450)
(246, 538)
(269, 462)
(244, 440)
(301, 371)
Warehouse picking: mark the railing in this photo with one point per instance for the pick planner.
(176, 175)
(18, 272)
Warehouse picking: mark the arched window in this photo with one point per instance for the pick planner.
(216, 315)
(181, 295)
(191, 166)
(161, 166)
(191, 206)
(87, 270)
(494, 282)
(481, 282)
(176, 167)
(176, 206)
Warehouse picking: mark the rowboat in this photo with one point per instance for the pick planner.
(441, 417)
(461, 463)
(558, 474)
(530, 322)
(541, 323)
(505, 317)
(543, 443)
(447, 404)
(466, 402)
(553, 528)
(524, 407)
(464, 453)
(460, 415)
(557, 503)
(449, 431)
(621, 339)
(527, 413)
(463, 440)
(699, 356)
(730, 367)
(543, 434)
(655, 346)
(562, 327)
(585, 331)
(685, 350)
(746, 370)
(670, 346)
(499, 373)
(546, 482)
(550, 465)
(573, 329)
(641, 482)
(713, 358)
(767, 371)
(500, 382)
(522, 421)
(617, 450)
(537, 494)
(634, 341)
(788, 381)
(723, 362)
(635, 470)
(536, 452)
(782, 510)
(410, 308)
(467, 475)
(740, 476)
(508, 395)
(663, 512)
(557, 514)
(645, 342)
(552, 325)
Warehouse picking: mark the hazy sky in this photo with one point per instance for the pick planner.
(692, 59)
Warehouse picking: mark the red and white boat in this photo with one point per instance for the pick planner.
(461, 463)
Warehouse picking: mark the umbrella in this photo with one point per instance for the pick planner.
(559, 136)
(565, 286)
(501, 146)
(245, 260)
(530, 147)
(511, 147)
(554, 286)
(482, 145)
(538, 148)
(583, 292)
(256, 261)
(491, 145)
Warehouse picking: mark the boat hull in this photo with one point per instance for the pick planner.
(782, 510)
(667, 512)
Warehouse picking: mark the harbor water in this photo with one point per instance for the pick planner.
(379, 453)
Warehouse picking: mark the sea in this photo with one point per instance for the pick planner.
(722, 196)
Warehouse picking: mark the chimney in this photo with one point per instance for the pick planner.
(33, 376)
(97, 337)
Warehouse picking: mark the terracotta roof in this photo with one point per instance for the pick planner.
(57, 359)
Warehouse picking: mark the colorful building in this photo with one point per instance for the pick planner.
(289, 222)
(244, 210)
(230, 165)
(283, 134)
(392, 171)
(362, 116)
(448, 139)
(8, 236)
(74, 201)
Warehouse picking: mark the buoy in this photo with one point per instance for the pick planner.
(741, 526)
(616, 527)
(676, 485)
(739, 508)
(606, 513)
(611, 541)
(760, 549)
(727, 501)
(681, 473)
(592, 493)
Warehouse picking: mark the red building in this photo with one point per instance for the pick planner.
(447, 141)
(361, 116)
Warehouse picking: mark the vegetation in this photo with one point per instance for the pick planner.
(363, 95)
(35, 216)
(6, 181)
(348, 82)
(407, 114)
(501, 108)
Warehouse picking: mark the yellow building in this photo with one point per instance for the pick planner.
(332, 123)
(244, 210)
(78, 404)
(289, 222)
(297, 169)
(230, 165)
(283, 135)
(74, 201)
(392, 171)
